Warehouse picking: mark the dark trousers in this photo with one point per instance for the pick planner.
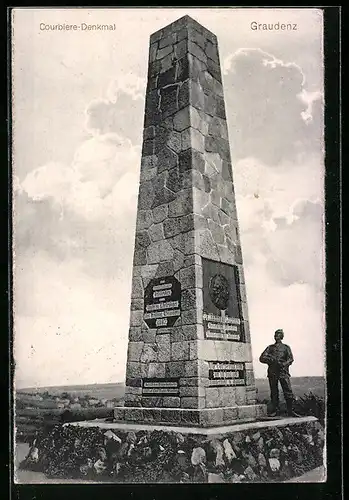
(285, 383)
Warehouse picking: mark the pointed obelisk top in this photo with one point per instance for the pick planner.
(184, 22)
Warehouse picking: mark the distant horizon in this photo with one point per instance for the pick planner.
(123, 383)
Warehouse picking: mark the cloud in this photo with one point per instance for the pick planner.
(86, 210)
(281, 220)
(272, 115)
(56, 342)
(120, 111)
(292, 308)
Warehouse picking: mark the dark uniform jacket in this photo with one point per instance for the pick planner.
(278, 357)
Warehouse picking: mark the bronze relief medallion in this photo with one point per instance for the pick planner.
(219, 291)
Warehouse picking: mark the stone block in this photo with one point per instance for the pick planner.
(134, 351)
(161, 53)
(211, 51)
(135, 334)
(148, 174)
(250, 380)
(148, 162)
(174, 141)
(181, 50)
(133, 414)
(177, 332)
(156, 370)
(133, 390)
(175, 369)
(156, 232)
(172, 227)
(197, 37)
(203, 368)
(133, 382)
(165, 269)
(160, 213)
(188, 298)
(180, 351)
(149, 353)
(240, 396)
(230, 414)
(247, 412)
(168, 100)
(171, 402)
(189, 332)
(183, 99)
(220, 110)
(197, 96)
(136, 318)
(137, 290)
(191, 277)
(144, 219)
(181, 120)
(186, 139)
(182, 205)
(149, 336)
(119, 413)
(152, 51)
(152, 402)
(197, 140)
(206, 81)
(151, 415)
(132, 400)
(159, 251)
(167, 159)
(178, 260)
(148, 147)
(192, 391)
(211, 417)
(168, 40)
(196, 51)
(189, 317)
(212, 397)
(217, 232)
(190, 417)
(198, 121)
(206, 245)
(170, 416)
(136, 370)
(189, 402)
(191, 368)
(214, 69)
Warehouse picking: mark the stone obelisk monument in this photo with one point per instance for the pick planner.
(189, 359)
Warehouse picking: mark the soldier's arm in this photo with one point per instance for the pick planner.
(265, 357)
(289, 357)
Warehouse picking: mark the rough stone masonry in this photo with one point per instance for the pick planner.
(189, 352)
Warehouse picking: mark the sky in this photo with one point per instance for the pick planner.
(78, 109)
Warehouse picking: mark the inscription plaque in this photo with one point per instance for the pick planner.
(222, 303)
(162, 302)
(226, 373)
(160, 387)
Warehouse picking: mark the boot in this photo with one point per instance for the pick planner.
(290, 411)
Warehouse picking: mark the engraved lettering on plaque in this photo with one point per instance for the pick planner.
(162, 302)
(160, 387)
(226, 373)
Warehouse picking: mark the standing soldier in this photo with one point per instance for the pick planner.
(278, 357)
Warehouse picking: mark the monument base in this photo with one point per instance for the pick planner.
(203, 417)
(123, 452)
